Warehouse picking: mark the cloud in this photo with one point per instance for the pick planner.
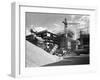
(56, 28)
(38, 29)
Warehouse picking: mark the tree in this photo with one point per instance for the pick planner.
(70, 34)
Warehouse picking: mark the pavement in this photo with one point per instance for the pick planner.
(35, 56)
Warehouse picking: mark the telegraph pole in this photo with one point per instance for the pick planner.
(65, 24)
(65, 42)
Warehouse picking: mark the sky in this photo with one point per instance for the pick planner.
(53, 22)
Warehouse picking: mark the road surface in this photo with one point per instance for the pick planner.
(76, 60)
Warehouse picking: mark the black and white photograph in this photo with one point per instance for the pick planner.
(54, 39)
